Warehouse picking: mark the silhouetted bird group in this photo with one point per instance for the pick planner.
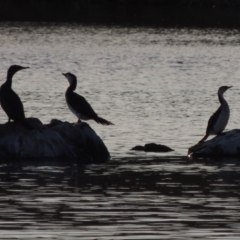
(13, 107)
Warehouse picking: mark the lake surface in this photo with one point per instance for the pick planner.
(155, 85)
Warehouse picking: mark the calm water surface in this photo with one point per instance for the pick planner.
(156, 85)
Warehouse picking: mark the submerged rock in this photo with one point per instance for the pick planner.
(55, 140)
(225, 144)
(152, 147)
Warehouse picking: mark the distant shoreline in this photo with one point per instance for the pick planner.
(162, 13)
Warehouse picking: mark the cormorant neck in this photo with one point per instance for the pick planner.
(221, 98)
(9, 80)
(72, 86)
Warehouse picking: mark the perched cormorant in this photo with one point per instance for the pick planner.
(78, 104)
(218, 121)
(10, 101)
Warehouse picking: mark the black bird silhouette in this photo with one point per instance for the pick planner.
(219, 120)
(78, 104)
(10, 101)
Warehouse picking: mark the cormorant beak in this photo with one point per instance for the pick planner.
(24, 68)
(229, 87)
(64, 74)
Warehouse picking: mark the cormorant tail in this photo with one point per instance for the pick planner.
(203, 139)
(102, 121)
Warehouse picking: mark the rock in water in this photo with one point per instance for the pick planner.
(225, 144)
(152, 147)
(58, 139)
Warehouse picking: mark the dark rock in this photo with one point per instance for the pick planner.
(152, 147)
(138, 148)
(55, 140)
(225, 144)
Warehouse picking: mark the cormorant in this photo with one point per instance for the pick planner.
(218, 121)
(78, 104)
(10, 101)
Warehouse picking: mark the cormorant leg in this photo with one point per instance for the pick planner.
(79, 121)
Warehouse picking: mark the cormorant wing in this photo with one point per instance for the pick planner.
(80, 104)
(212, 120)
(12, 105)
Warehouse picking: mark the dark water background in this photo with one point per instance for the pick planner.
(161, 13)
(127, 198)
(156, 85)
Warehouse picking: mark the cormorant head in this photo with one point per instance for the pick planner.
(72, 79)
(223, 89)
(13, 69)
